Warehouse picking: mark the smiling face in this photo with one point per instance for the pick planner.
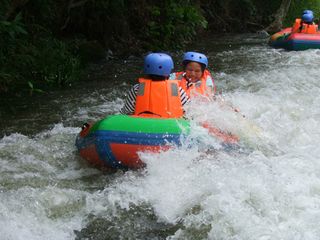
(193, 71)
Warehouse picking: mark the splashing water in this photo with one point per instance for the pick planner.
(267, 188)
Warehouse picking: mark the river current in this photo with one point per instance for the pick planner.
(268, 188)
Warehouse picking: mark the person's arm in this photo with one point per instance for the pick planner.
(130, 102)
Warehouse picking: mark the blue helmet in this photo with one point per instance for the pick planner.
(195, 57)
(159, 64)
(307, 12)
(307, 17)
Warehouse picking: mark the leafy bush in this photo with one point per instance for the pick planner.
(9, 42)
(32, 54)
(29, 61)
(174, 25)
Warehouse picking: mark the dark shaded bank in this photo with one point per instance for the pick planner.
(46, 44)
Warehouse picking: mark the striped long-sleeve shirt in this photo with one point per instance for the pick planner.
(130, 101)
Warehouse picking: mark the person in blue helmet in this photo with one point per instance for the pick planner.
(305, 24)
(195, 78)
(307, 17)
(154, 95)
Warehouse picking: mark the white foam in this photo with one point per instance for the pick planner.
(267, 189)
(34, 170)
(268, 192)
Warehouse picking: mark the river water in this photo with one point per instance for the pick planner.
(267, 188)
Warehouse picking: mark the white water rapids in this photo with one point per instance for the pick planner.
(268, 189)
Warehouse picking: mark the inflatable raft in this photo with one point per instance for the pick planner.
(295, 41)
(116, 140)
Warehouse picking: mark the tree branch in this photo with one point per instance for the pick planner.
(72, 5)
(279, 16)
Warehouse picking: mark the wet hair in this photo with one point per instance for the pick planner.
(185, 63)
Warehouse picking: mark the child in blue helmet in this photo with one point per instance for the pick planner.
(157, 68)
(195, 77)
(305, 24)
(307, 17)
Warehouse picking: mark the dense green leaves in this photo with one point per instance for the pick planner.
(173, 25)
(28, 61)
(44, 42)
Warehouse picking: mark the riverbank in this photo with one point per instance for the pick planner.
(44, 45)
(47, 45)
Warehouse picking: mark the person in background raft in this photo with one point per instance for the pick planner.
(195, 78)
(307, 17)
(154, 95)
(305, 24)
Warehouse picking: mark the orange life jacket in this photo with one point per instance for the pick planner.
(300, 27)
(158, 99)
(309, 28)
(296, 26)
(197, 88)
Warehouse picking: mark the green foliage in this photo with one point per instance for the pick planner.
(143, 25)
(265, 10)
(9, 33)
(33, 89)
(174, 25)
(34, 56)
(27, 61)
(54, 63)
